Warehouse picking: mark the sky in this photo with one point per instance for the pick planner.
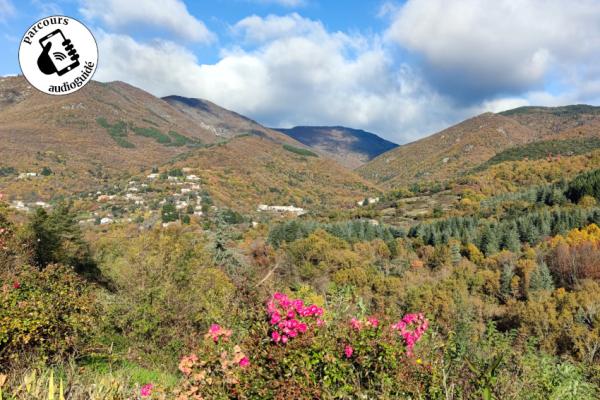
(401, 69)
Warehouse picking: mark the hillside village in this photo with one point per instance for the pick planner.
(166, 198)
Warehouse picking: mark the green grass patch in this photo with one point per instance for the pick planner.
(152, 133)
(181, 140)
(117, 131)
(300, 151)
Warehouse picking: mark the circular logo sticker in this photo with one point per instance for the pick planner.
(58, 55)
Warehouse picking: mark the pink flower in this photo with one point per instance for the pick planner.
(419, 325)
(216, 331)
(244, 362)
(275, 318)
(289, 317)
(275, 336)
(348, 350)
(16, 285)
(146, 390)
(320, 322)
(374, 322)
(355, 324)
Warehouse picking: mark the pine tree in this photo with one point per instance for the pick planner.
(489, 241)
(541, 278)
(510, 238)
(455, 256)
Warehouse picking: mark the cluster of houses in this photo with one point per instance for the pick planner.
(153, 193)
(28, 206)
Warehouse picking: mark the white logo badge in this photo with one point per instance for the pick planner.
(58, 55)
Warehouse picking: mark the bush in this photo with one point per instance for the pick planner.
(152, 133)
(49, 313)
(300, 151)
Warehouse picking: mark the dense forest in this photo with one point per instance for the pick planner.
(494, 302)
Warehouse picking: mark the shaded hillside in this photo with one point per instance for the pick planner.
(220, 121)
(351, 147)
(471, 143)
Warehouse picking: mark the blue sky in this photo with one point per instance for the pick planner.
(402, 69)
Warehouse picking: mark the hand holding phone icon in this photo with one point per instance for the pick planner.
(57, 61)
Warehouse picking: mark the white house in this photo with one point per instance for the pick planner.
(24, 175)
(282, 209)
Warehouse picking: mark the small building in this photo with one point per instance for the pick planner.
(282, 209)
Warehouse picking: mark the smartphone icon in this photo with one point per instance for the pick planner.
(61, 53)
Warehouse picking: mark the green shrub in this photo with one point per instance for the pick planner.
(300, 151)
(181, 140)
(49, 313)
(152, 133)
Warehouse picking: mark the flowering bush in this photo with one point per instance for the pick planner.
(289, 318)
(218, 367)
(293, 354)
(411, 327)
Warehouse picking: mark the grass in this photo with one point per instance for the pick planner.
(152, 133)
(181, 140)
(117, 131)
(97, 378)
(300, 151)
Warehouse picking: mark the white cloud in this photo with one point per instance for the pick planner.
(298, 74)
(483, 47)
(170, 15)
(259, 30)
(284, 3)
(6, 9)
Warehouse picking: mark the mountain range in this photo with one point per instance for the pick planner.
(350, 147)
(458, 149)
(111, 131)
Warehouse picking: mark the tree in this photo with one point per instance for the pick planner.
(55, 238)
(455, 255)
(169, 213)
(489, 241)
(46, 171)
(510, 238)
(541, 279)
